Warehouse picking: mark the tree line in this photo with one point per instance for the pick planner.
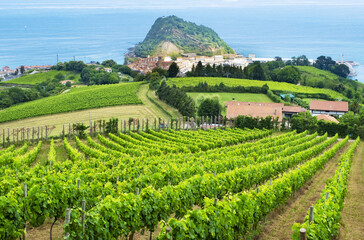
(177, 98)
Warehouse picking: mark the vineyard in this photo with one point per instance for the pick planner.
(77, 99)
(169, 184)
(274, 86)
(33, 79)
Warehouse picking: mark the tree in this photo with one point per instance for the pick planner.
(324, 63)
(289, 74)
(255, 71)
(108, 63)
(59, 77)
(304, 121)
(302, 61)
(209, 107)
(341, 70)
(173, 70)
(68, 84)
(22, 69)
(199, 71)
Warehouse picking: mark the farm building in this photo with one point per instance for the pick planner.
(332, 108)
(255, 109)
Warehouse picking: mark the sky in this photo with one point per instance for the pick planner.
(163, 4)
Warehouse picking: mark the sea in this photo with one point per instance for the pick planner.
(41, 36)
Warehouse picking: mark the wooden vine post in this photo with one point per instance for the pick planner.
(83, 214)
(67, 220)
(310, 219)
(168, 230)
(25, 187)
(303, 234)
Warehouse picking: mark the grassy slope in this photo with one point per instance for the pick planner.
(223, 97)
(41, 77)
(76, 99)
(316, 74)
(179, 82)
(146, 110)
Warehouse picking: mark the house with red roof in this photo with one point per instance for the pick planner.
(332, 108)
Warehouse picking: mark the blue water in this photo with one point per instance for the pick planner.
(35, 37)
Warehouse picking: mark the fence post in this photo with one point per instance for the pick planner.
(41, 133)
(46, 133)
(33, 135)
(311, 215)
(83, 213)
(25, 187)
(38, 134)
(3, 138)
(302, 234)
(68, 220)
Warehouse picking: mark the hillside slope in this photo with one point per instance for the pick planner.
(174, 35)
(77, 99)
(275, 86)
(33, 79)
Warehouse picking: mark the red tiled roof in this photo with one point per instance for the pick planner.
(328, 118)
(293, 109)
(254, 111)
(329, 106)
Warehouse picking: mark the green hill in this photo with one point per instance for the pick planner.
(43, 76)
(173, 35)
(76, 99)
(274, 86)
(313, 77)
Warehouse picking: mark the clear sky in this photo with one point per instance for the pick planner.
(165, 4)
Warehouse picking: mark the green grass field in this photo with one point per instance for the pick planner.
(316, 74)
(223, 97)
(77, 99)
(287, 87)
(43, 76)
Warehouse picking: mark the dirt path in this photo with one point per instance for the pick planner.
(278, 224)
(352, 221)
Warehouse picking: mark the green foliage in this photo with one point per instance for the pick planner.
(112, 126)
(304, 121)
(350, 124)
(80, 128)
(327, 210)
(43, 77)
(252, 123)
(91, 76)
(289, 74)
(273, 86)
(76, 99)
(173, 70)
(108, 63)
(187, 36)
(215, 71)
(177, 98)
(209, 107)
(255, 71)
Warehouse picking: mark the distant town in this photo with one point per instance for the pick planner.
(185, 64)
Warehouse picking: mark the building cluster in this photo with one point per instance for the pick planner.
(146, 65)
(187, 61)
(7, 71)
(325, 110)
